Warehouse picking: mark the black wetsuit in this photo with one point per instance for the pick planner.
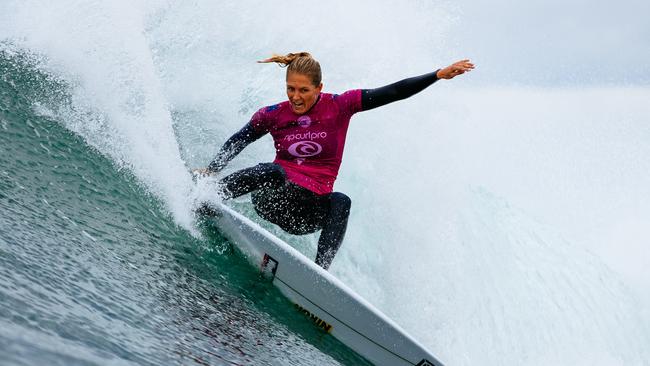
(295, 209)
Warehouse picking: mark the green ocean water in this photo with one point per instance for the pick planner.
(94, 271)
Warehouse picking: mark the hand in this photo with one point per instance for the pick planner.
(455, 69)
(202, 172)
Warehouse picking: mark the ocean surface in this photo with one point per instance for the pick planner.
(94, 271)
(498, 225)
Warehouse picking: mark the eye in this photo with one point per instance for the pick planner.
(304, 90)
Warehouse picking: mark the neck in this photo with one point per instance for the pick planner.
(313, 105)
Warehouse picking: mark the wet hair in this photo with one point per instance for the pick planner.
(299, 63)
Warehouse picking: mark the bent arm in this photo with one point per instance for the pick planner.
(233, 146)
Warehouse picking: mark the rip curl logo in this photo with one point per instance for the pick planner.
(306, 136)
(304, 121)
(303, 149)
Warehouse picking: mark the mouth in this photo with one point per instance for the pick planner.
(298, 105)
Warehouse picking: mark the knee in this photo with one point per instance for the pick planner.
(275, 174)
(340, 203)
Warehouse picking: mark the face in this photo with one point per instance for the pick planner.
(301, 92)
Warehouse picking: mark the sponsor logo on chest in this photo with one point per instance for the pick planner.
(305, 136)
(305, 144)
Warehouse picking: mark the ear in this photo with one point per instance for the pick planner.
(319, 87)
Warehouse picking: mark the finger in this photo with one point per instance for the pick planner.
(460, 67)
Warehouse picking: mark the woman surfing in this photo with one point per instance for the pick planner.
(295, 191)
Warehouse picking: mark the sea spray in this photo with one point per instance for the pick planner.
(100, 49)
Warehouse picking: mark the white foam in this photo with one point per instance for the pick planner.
(118, 105)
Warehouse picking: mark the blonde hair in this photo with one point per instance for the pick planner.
(299, 63)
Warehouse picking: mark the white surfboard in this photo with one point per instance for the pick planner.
(330, 304)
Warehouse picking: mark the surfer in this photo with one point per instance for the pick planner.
(295, 191)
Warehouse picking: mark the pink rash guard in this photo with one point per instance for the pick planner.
(310, 146)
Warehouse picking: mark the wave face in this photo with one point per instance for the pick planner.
(480, 215)
(94, 270)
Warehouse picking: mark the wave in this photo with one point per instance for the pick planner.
(158, 86)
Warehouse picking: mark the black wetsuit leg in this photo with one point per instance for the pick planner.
(334, 228)
(265, 175)
(300, 211)
(295, 209)
(261, 176)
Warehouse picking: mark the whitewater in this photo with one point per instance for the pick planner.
(502, 225)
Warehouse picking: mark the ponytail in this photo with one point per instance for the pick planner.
(299, 63)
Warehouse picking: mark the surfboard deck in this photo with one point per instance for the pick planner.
(329, 303)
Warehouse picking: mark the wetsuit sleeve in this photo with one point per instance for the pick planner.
(373, 98)
(234, 145)
(257, 127)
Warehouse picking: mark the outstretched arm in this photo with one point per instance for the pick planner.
(233, 146)
(373, 98)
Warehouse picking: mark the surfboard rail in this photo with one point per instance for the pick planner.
(328, 302)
